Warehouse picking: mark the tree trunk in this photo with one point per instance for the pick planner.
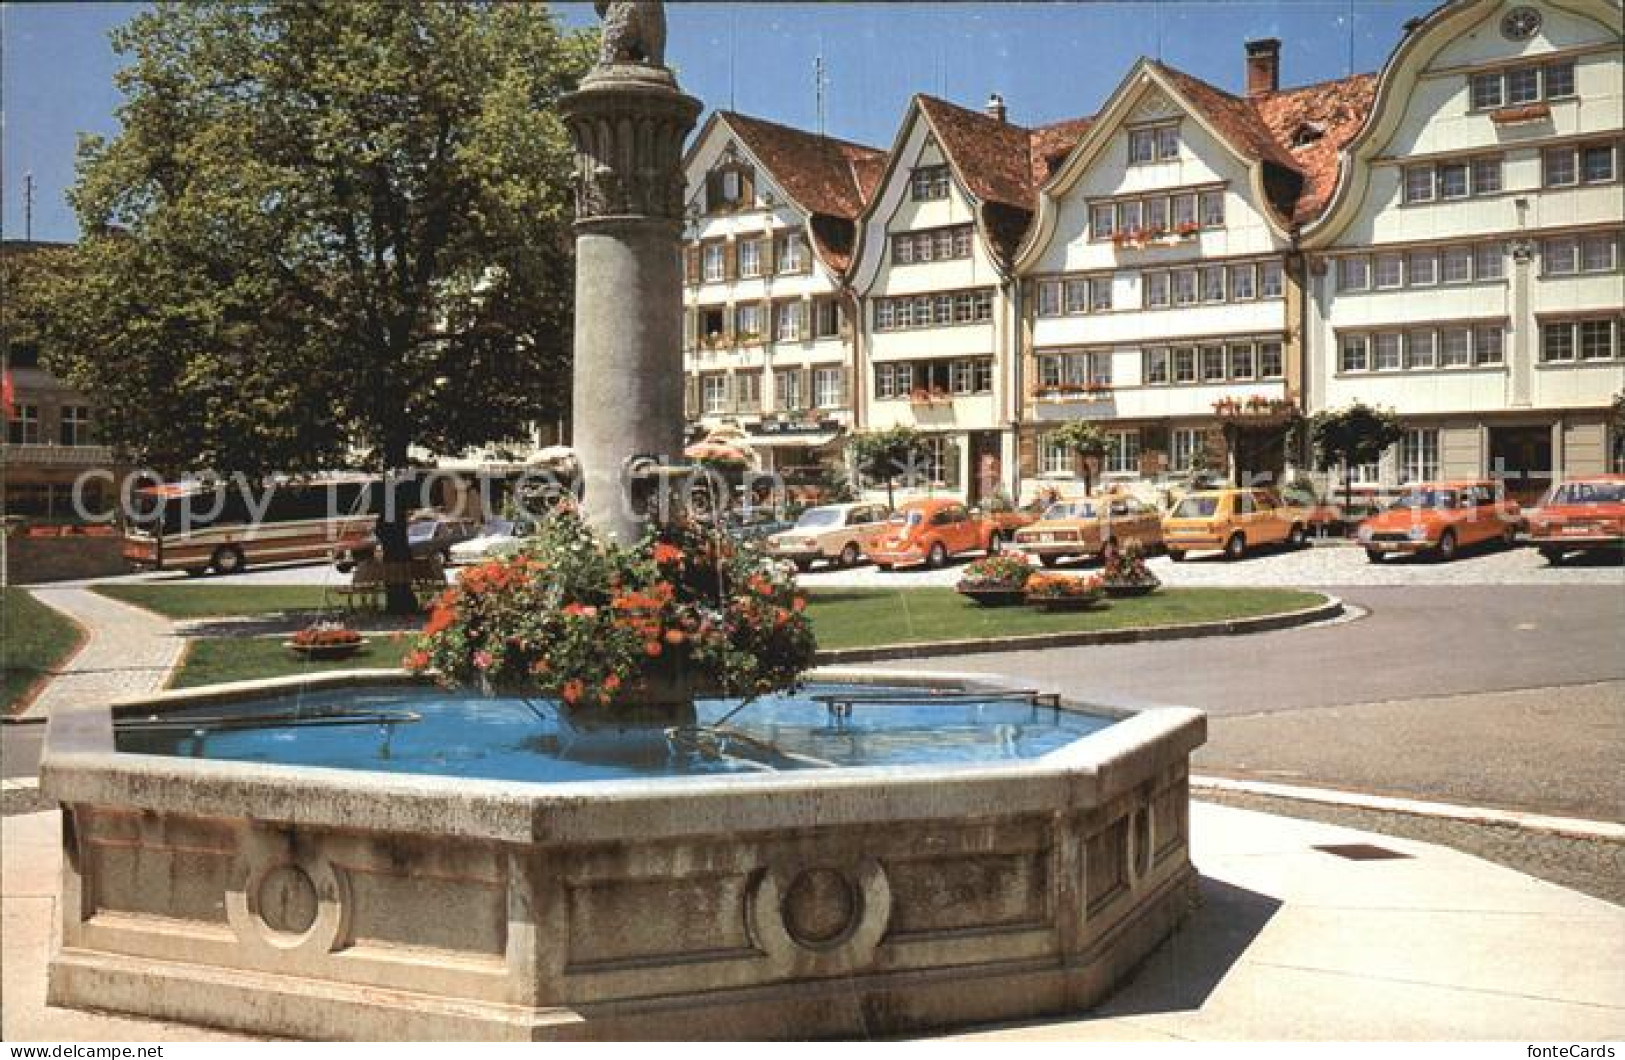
(392, 518)
(1348, 489)
(891, 499)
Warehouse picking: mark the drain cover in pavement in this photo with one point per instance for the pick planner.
(1361, 852)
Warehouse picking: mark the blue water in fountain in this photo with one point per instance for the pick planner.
(428, 731)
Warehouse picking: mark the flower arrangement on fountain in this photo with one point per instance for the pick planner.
(1124, 572)
(686, 612)
(326, 638)
(1000, 579)
(1058, 592)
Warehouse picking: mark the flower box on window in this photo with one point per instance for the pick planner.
(933, 396)
(1521, 115)
(1257, 409)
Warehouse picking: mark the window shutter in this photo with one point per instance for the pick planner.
(846, 387)
(768, 334)
(730, 260)
(807, 388)
(806, 255)
(691, 396)
(691, 329)
(713, 191)
(747, 189)
(691, 263)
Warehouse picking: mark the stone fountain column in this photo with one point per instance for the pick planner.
(628, 122)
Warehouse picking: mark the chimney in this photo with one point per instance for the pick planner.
(995, 108)
(1263, 67)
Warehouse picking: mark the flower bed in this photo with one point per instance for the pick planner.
(685, 612)
(997, 581)
(1125, 573)
(1062, 592)
(326, 640)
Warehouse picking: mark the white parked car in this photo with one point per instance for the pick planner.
(498, 537)
(840, 533)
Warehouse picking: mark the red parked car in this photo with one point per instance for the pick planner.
(1580, 515)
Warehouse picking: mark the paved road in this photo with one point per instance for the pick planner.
(1415, 699)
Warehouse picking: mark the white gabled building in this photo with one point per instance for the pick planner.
(932, 269)
(769, 346)
(1467, 271)
(1160, 278)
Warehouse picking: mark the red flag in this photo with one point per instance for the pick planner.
(8, 396)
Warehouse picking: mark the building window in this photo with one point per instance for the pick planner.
(1419, 349)
(1241, 283)
(1157, 144)
(1385, 351)
(23, 429)
(1102, 221)
(1243, 366)
(1100, 295)
(1076, 370)
(1559, 167)
(1185, 365)
(931, 244)
(1423, 267)
(748, 392)
(1388, 271)
(1597, 340)
(1271, 363)
(748, 322)
(827, 388)
(826, 318)
(961, 377)
(1269, 279)
(1455, 347)
(1517, 85)
(1213, 368)
(1487, 340)
(1354, 354)
(1212, 208)
(791, 322)
(711, 257)
(1453, 179)
(787, 389)
(1049, 298)
(1184, 445)
(750, 257)
(1489, 261)
(1157, 288)
(1570, 165)
(1353, 273)
(1565, 341)
(894, 381)
(1457, 264)
(923, 311)
(1122, 452)
(1420, 455)
(1185, 287)
(1212, 283)
(792, 253)
(1055, 458)
(714, 393)
(928, 182)
(1077, 296)
(1156, 366)
(939, 465)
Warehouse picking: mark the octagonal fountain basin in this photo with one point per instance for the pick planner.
(365, 856)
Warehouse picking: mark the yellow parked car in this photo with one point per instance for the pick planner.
(1096, 526)
(1233, 521)
(839, 533)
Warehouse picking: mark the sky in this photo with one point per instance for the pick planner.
(1050, 61)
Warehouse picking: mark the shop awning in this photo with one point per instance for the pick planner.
(791, 441)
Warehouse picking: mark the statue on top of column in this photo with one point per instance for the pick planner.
(634, 32)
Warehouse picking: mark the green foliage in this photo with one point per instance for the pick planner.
(996, 572)
(1356, 434)
(591, 622)
(324, 229)
(884, 455)
(1085, 438)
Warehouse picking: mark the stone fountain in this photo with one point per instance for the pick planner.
(349, 899)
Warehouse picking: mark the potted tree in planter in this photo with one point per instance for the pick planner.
(1088, 442)
(886, 454)
(1125, 572)
(1351, 436)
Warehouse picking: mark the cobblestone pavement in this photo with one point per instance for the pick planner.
(1594, 867)
(130, 651)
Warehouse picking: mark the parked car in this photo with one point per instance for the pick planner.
(1581, 515)
(1440, 518)
(498, 537)
(1091, 527)
(839, 533)
(431, 536)
(754, 524)
(1234, 521)
(932, 530)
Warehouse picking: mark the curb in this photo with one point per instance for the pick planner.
(1569, 827)
(1331, 607)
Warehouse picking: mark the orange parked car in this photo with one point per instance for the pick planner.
(929, 532)
(1233, 520)
(1581, 515)
(1090, 527)
(1440, 518)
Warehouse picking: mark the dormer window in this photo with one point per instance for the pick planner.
(1158, 143)
(729, 188)
(1309, 132)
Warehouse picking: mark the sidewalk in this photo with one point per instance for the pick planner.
(130, 652)
(1290, 942)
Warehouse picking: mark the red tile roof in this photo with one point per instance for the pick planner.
(1321, 120)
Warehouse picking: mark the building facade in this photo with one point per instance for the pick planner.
(1467, 272)
(770, 345)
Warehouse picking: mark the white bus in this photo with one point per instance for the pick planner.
(227, 527)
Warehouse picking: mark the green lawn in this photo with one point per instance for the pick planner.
(216, 660)
(220, 601)
(861, 618)
(34, 639)
(856, 618)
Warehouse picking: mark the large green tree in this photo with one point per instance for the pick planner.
(884, 455)
(328, 231)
